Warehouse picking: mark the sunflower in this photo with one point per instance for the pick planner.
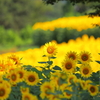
(13, 77)
(31, 78)
(15, 59)
(28, 96)
(21, 72)
(73, 55)
(85, 56)
(4, 92)
(85, 70)
(24, 89)
(45, 88)
(66, 94)
(68, 65)
(50, 49)
(3, 68)
(83, 84)
(72, 79)
(93, 90)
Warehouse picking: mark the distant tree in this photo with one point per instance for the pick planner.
(17, 14)
(95, 7)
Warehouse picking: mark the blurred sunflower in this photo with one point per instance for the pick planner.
(50, 49)
(85, 56)
(73, 55)
(45, 88)
(13, 77)
(27, 96)
(24, 89)
(93, 90)
(72, 79)
(21, 72)
(31, 78)
(3, 68)
(85, 70)
(4, 92)
(68, 65)
(16, 59)
(83, 84)
(66, 94)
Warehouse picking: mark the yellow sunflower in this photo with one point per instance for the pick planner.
(24, 89)
(83, 84)
(14, 77)
(73, 55)
(31, 78)
(68, 65)
(45, 88)
(85, 56)
(72, 79)
(50, 49)
(66, 94)
(3, 68)
(4, 92)
(28, 96)
(85, 70)
(16, 59)
(21, 72)
(93, 90)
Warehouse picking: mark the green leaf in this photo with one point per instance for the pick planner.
(42, 62)
(38, 72)
(79, 62)
(69, 92)
(44, 56)
(98, 62)
(56, 68)
(53, 57)
(50, 62)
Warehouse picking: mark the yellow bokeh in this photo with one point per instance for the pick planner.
(78, 23)
(33, 56)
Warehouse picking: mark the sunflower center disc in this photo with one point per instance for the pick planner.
(2, 92)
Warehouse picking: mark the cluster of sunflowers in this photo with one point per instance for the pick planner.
(74, 80)
(69, 22)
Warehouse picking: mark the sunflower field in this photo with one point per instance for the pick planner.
(52, 72)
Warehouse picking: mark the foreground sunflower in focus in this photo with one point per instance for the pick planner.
(50, 49)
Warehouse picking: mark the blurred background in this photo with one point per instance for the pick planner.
(17, 17)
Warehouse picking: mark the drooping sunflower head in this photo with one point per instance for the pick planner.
(85, 70)
(50, 49)
(85, 56)
(73, 55)
(68, 65)
(72, 79)
(24, 89)
(93, 90)
(31, 78)
(45, 88)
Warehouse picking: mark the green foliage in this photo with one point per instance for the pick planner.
(17, 14)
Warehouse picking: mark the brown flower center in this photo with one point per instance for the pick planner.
(72, 56)
(2, 92)
(31, 78)
(21, 74)
(85, 71)
(27, 98)
(68, 65)
(92, 89)
(13, 77)
(84, 57)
